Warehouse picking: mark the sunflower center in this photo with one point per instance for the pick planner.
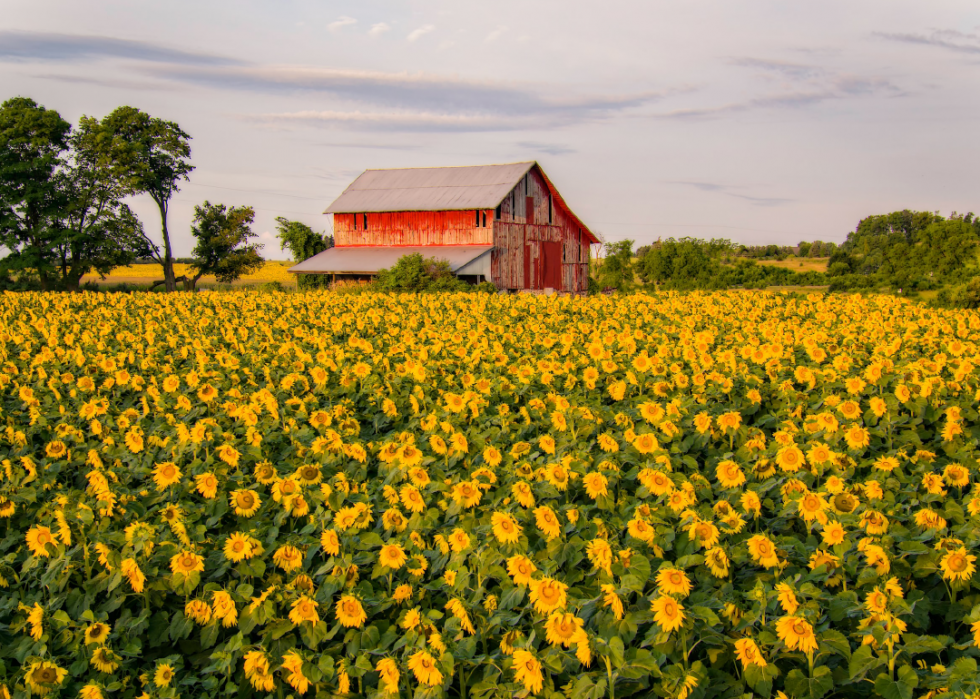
(957, 563)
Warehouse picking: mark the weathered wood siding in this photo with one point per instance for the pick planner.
(528, 217)
(414, 228)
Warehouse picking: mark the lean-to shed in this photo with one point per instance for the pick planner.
(503, 223)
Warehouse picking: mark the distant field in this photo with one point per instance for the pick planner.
(272, 271)
(807, 264)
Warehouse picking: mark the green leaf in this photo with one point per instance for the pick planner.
(837, 642)
(799, 685)
(862, 660)
(887, 688)
(512, 597)
(616, 651)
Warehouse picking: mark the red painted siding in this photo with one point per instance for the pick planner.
(414, 228)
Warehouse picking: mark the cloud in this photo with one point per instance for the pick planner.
(119, 84)
(495, 34)
(420, 32)
(948, 39)
(378, 29)
(340, 23)
(727, 190)
(409, 92)
(547, 148)
(48, 46)
(800, 86)
(395, 121)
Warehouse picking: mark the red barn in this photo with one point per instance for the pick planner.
(503, 223)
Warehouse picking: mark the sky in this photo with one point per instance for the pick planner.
(761, 121)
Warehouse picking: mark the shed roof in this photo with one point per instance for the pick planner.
(368, 259)
(430, 188)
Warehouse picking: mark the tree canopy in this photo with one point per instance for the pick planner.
(222, 247)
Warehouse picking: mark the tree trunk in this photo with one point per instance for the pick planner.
(168, 259)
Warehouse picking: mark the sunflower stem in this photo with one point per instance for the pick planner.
(609, 674)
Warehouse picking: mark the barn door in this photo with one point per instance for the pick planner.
(551, 258)
(529, 210)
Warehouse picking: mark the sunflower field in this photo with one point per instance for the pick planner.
(312, 495)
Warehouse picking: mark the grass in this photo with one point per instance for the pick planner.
(806, 264)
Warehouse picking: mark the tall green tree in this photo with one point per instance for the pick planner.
(99, 232)
(223, 248)
(616, 271)
(149, 156)
(303, 242)
(33, 140)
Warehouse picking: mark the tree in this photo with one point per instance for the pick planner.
(32, 142)
(616, 271)
(99, 231)
(149, 156)
(303, 242)
(222, 247)
(414, 272)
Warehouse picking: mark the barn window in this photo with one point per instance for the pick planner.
(365, 221)
(355, 222)
(551, 209)
(496, 213)
(484, 219)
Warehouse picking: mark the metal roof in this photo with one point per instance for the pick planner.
(430, 189)
(368, 259)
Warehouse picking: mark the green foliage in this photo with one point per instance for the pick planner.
(616, 271)
(303, 242)
(417, 273)
(32, 143)
(222, 247)
(148, 156)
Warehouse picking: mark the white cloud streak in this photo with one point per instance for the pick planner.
(420, 32)
(378, 29)
(340, 23)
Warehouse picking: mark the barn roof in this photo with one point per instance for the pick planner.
(437, 189)
(368, 259)
(430, 188)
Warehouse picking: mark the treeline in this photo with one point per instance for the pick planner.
(692, 263)
(62, 210)
(904, 252)
(908, 252)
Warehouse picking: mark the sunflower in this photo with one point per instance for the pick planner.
(787, 598)
(547, 595)
(547, 521)
(811, 507)
(796, 633)
(668, 613)
(523, 494)
(131, 571)
(527, 671)
(646, 443)
(265, 473)
(790, 459)
(392, 556)
(104, 660)
(38, 540)
(717, 561)
(97, 633)
(595, 485)
(186, 562)
(467, 494)
(505, 528)
(224, 608)
(673, 581)
(238, 547)
(520, 569)
(763, 551)
(387, 670)
(309, 474)
(424, 667)
(748, 653)
(350, 613)
(729, 474)
(330, 542)
(402, 593)
(165, 475)
(288, 557)
(600, 554)
(91, 691)
(163, 675)
(43, 676)
(304, 609)
(207, 485)
(245, 502)
(958, 565)
(199, 611)
(459, 541)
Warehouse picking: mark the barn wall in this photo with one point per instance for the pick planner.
(414, 228)
(520, 231)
